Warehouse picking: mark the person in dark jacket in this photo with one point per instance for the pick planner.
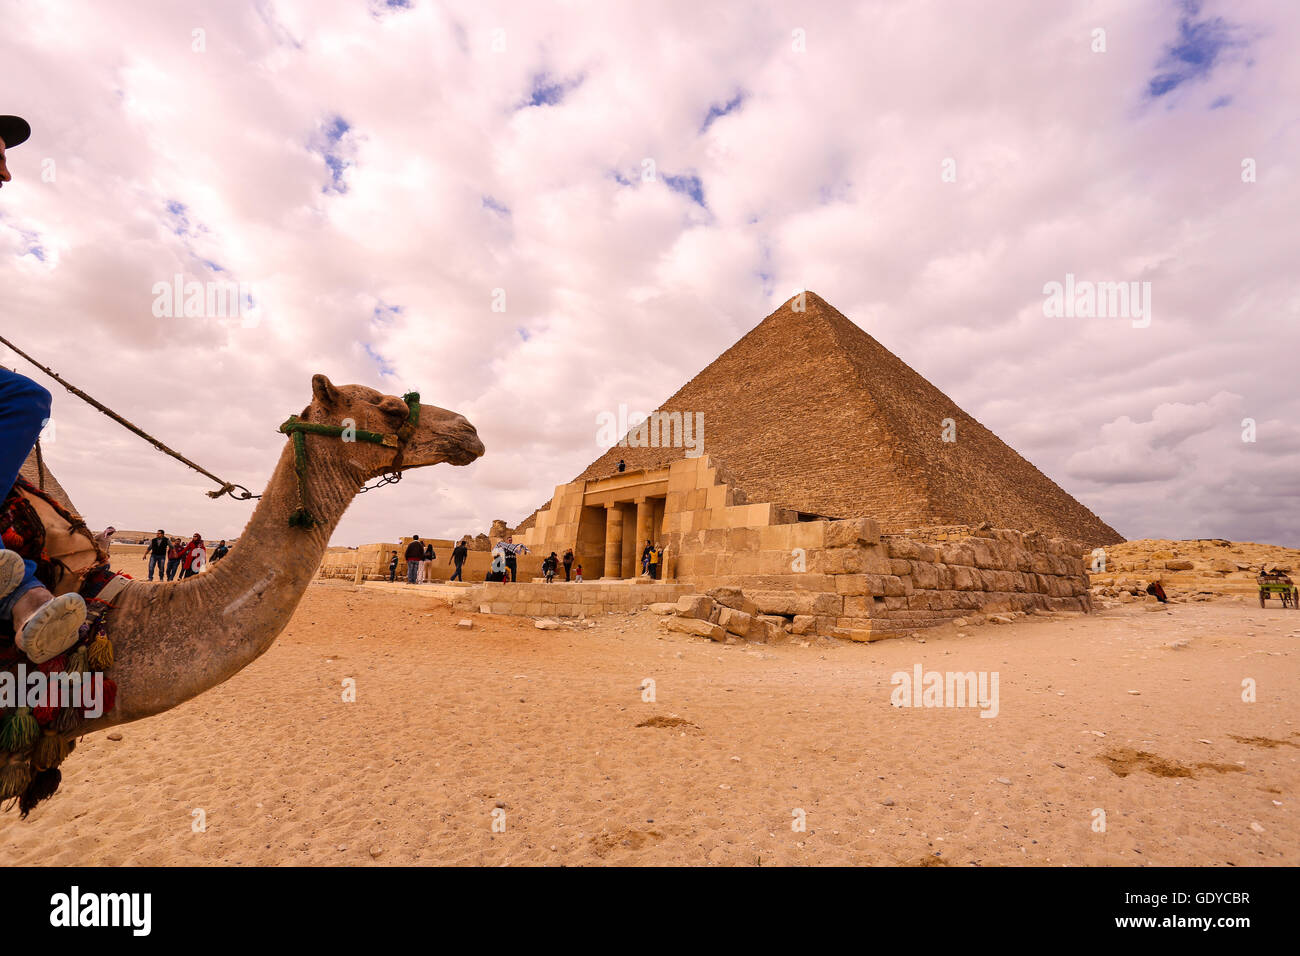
(220, 551)
(392, 567)
(157, 552)
(549, 566)
(458, 555)
(568, 563)
(414, 555)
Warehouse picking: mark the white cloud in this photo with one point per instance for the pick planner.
(826, 175)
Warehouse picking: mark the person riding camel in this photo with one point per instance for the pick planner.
(44, 626)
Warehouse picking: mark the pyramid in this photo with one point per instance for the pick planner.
(36, 471)
(811, 413)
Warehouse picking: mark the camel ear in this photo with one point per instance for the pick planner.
(323, 390)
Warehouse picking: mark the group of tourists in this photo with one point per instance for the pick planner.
(505, 561)
(551, 564)
(652, 560)
(173, 556)
(420, 555)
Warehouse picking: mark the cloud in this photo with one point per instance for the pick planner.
(374, 174)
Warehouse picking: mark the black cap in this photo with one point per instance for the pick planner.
(14, 130)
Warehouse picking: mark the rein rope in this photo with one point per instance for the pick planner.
(227, 488)
(298, 430)
(294, 427)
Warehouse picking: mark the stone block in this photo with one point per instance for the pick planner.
(690, 625)
(735, 622)
(842, 561)
(858, 606)
(742, 539)
(851, 533)
(734, 598)
(775, 537)
(924, 576)
(852, 584)
(697, 606)
(803, 624)
(807, 534)
(903, 548)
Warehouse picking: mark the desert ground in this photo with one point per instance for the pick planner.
(1136, 711)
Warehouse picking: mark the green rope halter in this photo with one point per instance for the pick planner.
(299, 430)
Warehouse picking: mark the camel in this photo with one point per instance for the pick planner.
(172, 641)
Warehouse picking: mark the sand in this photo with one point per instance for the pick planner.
(549, 727)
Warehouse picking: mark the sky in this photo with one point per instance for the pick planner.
(533, 213)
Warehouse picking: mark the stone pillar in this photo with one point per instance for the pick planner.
(613, 540)
(645, 513)
(631, 551)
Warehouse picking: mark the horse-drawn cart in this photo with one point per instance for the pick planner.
(1279, 586)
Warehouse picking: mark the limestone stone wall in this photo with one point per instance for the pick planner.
(566, 600)
(373, 559)
(856, 583)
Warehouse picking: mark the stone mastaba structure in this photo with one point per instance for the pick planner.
(826, 486)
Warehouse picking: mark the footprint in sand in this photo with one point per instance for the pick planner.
(1123, 761)
(667, 722)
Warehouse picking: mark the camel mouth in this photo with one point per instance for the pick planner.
(452, 440)
(469, 448)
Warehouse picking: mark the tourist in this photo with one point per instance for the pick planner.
(645, 557)
(458, 555)
(221, 551)
(577, 574)
(549, 567)
(498, 571)
(157, 552)
(392, 568)
(173, 558)
(414, 555)
(655, 556)
(193, 557)
(426, 566)
(568, 563)
(44, 625)
(512, 552)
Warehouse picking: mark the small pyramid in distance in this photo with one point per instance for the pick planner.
(38, 473)
(811, 413)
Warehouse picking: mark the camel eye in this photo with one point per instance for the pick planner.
(392, 408)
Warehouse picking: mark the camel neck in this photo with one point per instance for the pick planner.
(234, 611)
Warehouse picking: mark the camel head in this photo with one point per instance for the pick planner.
(441, 436)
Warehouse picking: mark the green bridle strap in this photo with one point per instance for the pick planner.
(298, 430)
